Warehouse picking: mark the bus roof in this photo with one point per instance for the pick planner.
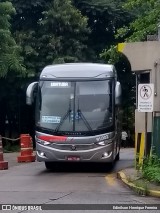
(78, 70)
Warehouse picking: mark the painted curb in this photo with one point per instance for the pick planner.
(121, 175)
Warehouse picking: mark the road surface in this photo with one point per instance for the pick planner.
(31, 183)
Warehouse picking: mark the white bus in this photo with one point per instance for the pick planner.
(77, 113)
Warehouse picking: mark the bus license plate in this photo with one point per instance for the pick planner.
(73, 158)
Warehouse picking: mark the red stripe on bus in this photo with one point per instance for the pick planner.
(52, 138)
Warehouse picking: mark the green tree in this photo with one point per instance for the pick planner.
(50, 31)
(10, 60)
(25, 27)
(64, 33)
(146, 20)
(105, 17)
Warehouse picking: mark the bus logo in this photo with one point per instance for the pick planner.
(73, 147)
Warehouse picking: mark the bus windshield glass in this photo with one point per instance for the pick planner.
(75, 106)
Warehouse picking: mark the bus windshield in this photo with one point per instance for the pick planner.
(75, 106)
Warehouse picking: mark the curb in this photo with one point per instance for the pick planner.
(140, 190)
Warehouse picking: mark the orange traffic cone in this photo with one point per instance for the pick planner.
(26, 149)
(3, 164)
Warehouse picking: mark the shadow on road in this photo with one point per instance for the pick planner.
(80, 168)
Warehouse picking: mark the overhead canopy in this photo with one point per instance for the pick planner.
(141, 55)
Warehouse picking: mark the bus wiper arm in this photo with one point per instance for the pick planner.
(64, 117)
(84, 119)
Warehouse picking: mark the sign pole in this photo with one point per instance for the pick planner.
(145, 105)
(145, 145)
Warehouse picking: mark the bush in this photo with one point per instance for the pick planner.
(151, 169)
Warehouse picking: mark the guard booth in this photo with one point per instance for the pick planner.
(144, 58)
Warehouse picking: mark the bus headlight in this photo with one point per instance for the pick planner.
(101, 143)
(45, 143)
(104, 143)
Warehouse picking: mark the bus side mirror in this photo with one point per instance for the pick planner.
(30, 93)
(118, 92)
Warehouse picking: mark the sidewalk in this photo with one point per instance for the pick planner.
(133, 179)
(11, 157)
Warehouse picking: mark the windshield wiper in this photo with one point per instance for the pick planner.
(80, 114)
(84, 119)
(64, 117)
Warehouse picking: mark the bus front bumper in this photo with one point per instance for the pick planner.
(99, 154)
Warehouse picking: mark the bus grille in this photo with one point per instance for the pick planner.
(76, 146)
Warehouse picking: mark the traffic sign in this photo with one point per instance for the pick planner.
(145, 97)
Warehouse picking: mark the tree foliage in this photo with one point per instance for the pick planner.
(64, 32)
(50, 31)
(146, 20)
(10, 60)
(105, 17)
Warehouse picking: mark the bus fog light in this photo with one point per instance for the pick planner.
(42, 154)
(106, 154)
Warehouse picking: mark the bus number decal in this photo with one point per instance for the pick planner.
(101, 138)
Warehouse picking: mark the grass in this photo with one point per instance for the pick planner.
(141, 184)
(148, 175)
(151, 169)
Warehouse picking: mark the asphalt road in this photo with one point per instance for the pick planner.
(31, 183)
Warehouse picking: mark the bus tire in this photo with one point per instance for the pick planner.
(117, 157)
(49, 165)
(110, 165)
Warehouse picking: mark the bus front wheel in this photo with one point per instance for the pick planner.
(49, 165)
(117, 157)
